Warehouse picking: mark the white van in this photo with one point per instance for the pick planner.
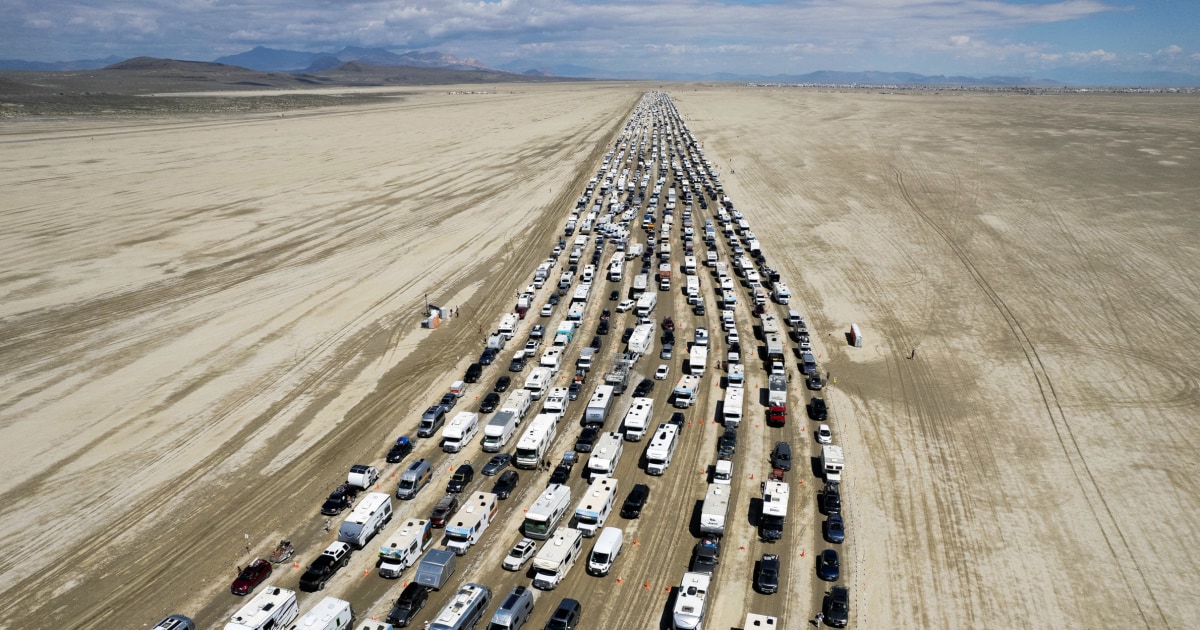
(605, 551)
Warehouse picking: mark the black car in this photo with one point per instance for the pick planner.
(644, 388)
(668, 336)
(727, 444)
(781, 456)
(602, 328)
(834, 529)
(837, 607)
(461, 477)
(399, 450)
(498, 462)
(698, 309)
(474, 371)
(518, 362)
(566, 616)
(604, 315)
(817, 409)
(614, 296)
(677, 419)
(627, 334)
(341, 498)
(554, 299)
(705, 558)
(831, 499)
(561, 474)
(505, 484)
(828, 567)
(632, 508)
(814, 382)
(587, 439)
(595, 342)
(412, 599)
(490, 402)
(488, 356)
(767, 580)
(448, 401)
(502, 384)
(573, 390)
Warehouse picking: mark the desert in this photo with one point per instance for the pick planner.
(209, 316)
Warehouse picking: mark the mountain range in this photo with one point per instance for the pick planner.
(280, 60)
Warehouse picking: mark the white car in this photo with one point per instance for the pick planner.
(701, 337)
(661, 373)
(521, 553)
(824, 435)
(733, 337)
(625, 306)
(547, 309)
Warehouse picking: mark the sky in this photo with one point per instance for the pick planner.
(766, 37)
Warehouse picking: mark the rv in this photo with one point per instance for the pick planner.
(513, 613)
(586, 358)
(472, 520)
(731, 410)
(774, 510)
(273, 607)
(605, 551)
(605, 455)
(774, 346)
(555, 559)
(547, 510)
(689, 265)
(551, 359)
(460, 431)
(686, 391)
(534, 443)
(508, 325)
(403, 548)
(641, 339)
(689, 602)
(716, 506)
(756, 621)
(436, 568)
(329, 614)
(661, 449)
(640, 282)
(637, 419)
(556, 402)
(465, 609)
(697, 360)
(723, 472)
(645, 304)
(537, 381)
(366, 520)
(832, 462)
(736, 378)
(519, 402)
(501, 428)
(576, 311)
(782, 293)
(414, 478)
(599, 405)
(595, 506)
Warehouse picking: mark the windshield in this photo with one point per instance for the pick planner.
(536, 527)
(600, 558)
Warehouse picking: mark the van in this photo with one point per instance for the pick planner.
(175, 622)
(605, 551)
(566, 616)
(474, 371)
(514, 611)
(413, 479)
(431, 421)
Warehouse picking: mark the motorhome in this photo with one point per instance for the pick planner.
(460, 431)
(552, 359)
(599, 405)
(689, 265)
(716, 506)
(596, 504)
(367, 519)
(533, 444)
(637, 419)
(690, 601)
(782, 293)
(329, 614)
(546, 511)
(273, 607)
(466, 527)
(686, 391)
(645, 304)
(833, 461)
(731, 410)
(518, 401)
(774, 510)
(605, 455)
(404, 547)
(465, 610)
(737, 376)
(500, 430)
(555, 559)
(556, 402)
(537, 382)
(640, 282)
(697, 360)
(641, 339)
(508, 325)
(661, 449)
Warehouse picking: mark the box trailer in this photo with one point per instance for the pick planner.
(436, 568)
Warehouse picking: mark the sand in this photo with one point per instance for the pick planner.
(206, 320)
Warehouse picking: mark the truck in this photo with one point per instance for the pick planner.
(774, 510)
(519, 402)
(501, 428)
(533, 444)
(555, 559)
(330, 613)
(686, 390)
(404, 547)
(367, 519)
(273, 607)
(469, 524)
(697, 359)
(642, 338)
(777, 400)
(556, 402)
(617, 377)
(599, 405)
(460, 431)
(546, 511)
(597, 503)
(661, 449)
(731, 410)
(334, 557)
(637, 419)
(716, 506)
(435, 568)
(832, 462)
(645, 304)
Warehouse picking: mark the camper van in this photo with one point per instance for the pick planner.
(432, 420)
(501, 428)
(595, 506)
(537, 381)
(403, 548)
(329, 614)
(605, 551)
(465, 609)
(460, 431)
(273, 607)
(555, 559)
(366, 520)
(413, 479)
(547, 510)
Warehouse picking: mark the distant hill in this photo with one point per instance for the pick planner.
(277, 60)
(59, 66)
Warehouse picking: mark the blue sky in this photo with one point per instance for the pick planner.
(967, 37)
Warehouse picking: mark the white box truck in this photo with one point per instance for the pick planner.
(555, 559)
(466, 527)
(460, 431)
(404, 547)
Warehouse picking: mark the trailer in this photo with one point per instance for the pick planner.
(642, 338)
(640, 282)
(599, 405)
(697, 359)
(436, 568)
(777, 399)
(774, 510)
(469, 524)
(716, 506)
(330, 613)
(273, 607)
(774, 346)
(637, 419)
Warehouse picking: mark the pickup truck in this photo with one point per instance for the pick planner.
(335, 556)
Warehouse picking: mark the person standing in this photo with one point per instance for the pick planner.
(820, 618)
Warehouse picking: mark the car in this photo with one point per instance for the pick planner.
(554, 299)
(625, 305)
(643, 388)
(595, 344)
(566, 616)
(497, 463)
(831, 499)
(412, 599)
(474, 371)
(502, 384)
(677, 419)
(828, 567)
(668, 336)
(521, 553)
(632, 507)
(506, 483)
(602, 327)
(587, 439)
(443, 510)
(627, 334)
(834, 529)
(547, 310)
(490, 402)
(463, 475)
(614, 296)
(532, 345)
(488, 356)
(817, 409)
(668, 349)
(836, 607)
(668, 323)
(781, 456)
(605, 315)
(341, 498)
(537, 332)
(705, 557)
(814, 382)
(448, 401)
(518, 362)
(573, 390)
(661, 373)
(700, 337)
(561, 474)
(253, 575)
(698, 309)
(767, 579)
(727, 443)
(823, 434)
(399, 450)
(733, 337)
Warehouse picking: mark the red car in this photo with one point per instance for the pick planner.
(251, 576)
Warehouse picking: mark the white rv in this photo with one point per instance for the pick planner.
(536, 440)
(689, 602)
(697, 359)
(596, 504)
(599, 405)
(686, 391)
(367, 519)
(466, 527)
(731, 411)
(460, 431)
(552, 359)
(518, 401)
(273, 607)
(661, 449)
(714, 510)
(555, 559)
(637, 419)
(556, 402)
(508, 325)
(537, 382)
(774, 510)
(645, 304)
(605, 455)
(404, 547)
(499, 430)
(329, 614)
(547, 510)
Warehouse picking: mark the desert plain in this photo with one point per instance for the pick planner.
(207, 318)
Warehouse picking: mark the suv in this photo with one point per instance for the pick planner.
(587, 439)
(781, 457)
(727, 443)
(335, 556)
(837, 607)
(831, 499)
(412, 599)
(767, 580)
(705, 558)
(443, 510)
(461, 477)
(817, 409)
(490, 402)
(502, 384)
(632, 508)
(566, 616)
(505, 484)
